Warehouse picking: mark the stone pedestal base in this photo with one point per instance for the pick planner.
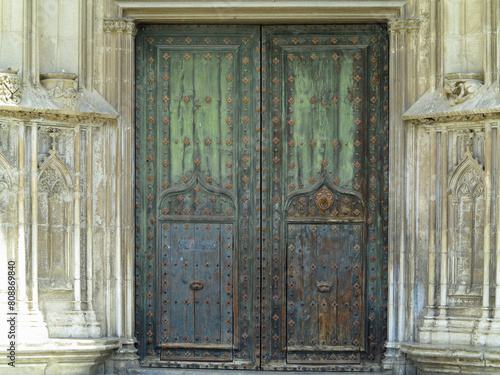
(396, 362)
(61, 357)
(124, 359)
(73, 324)
(460, 331)
(453, 359)
(31, 328)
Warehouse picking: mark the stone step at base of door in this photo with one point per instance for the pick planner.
(166, 371)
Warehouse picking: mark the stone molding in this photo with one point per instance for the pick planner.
(432, 359)
(261, 11)
(64, 356)
(65, 118)
(401, 25)
(119, 25)
(456, 116)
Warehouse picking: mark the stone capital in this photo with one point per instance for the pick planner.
(119, 25)
(402, 25)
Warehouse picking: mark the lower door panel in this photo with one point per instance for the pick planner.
(197, 289)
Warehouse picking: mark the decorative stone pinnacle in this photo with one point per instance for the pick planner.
(53, 150)
(469, 142)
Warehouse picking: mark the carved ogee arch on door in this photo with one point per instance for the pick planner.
(342, 203)
(197, 198)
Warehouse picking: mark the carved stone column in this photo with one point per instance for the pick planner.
(13, 240)
(30, 320)
(119, 63)
(403, 53)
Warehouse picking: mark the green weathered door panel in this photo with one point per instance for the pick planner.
(261, 205)
(326, 196)
(197, 157)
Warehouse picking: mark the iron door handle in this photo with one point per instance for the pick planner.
(324, 287)
(196, 284)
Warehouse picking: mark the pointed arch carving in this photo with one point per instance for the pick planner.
(55, 219)
(8, 195)
(6, 173)
(197, 199)
(468, 178)
(467, 222)
(54, 177)
(338, 203)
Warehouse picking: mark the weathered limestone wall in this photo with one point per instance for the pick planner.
(449, 269)
(67, 166)
(61, 172)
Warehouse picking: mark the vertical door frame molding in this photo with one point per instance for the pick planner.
(403, 44)
(118, 89)
(403, 91)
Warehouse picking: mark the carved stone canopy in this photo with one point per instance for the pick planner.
(460, 87)
(62, 89)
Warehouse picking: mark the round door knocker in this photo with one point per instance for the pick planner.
(324, 200)
(324, 286)
(196, 284)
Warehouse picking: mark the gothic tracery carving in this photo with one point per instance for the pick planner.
(5, 173)
(55, 218)
(54, 176)
(467, 225)
(10, 87)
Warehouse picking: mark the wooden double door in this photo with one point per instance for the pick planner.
(261, 196)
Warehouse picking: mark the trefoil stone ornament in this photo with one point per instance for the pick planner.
(10, 86)
(62, 89)
(460, 87)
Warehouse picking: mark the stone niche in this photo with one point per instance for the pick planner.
(452, 173)
(53, 215)
(61, 239)
(454, 190)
